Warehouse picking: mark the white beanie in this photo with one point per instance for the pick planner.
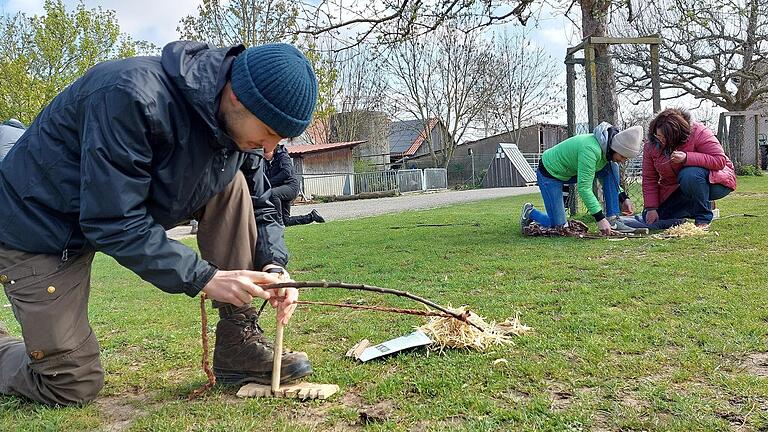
(628, 142)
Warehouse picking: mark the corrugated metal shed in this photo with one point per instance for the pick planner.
(509, 168)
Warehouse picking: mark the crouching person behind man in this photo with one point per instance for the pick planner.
(132, 148)
(10, 131)
(580, 159)
(684, 170)
(285, 187)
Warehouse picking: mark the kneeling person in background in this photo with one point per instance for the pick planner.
(285, 187)
(580, 159)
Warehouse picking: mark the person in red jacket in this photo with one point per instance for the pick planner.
(684, 169)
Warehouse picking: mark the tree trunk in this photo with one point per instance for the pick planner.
(593, 22)
(736, 131)
(735, 147)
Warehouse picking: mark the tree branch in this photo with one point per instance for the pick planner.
(323, 284)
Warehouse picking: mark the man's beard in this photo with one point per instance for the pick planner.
(227, 119)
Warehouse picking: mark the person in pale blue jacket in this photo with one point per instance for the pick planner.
(10, 132)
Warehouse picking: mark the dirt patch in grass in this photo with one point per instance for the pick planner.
(561, 400)
(742, 409)
(561, 397)
(351, 399)
(118, 412)
(315, 416)
(755, 402)
(515, 397)
(451, 423)
(377, 413)
(756, 364)
(601, 422)
(310, 415)
(631, 400)
(734, 419)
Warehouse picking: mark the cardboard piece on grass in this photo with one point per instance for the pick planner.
(415, 339)
(358, 348)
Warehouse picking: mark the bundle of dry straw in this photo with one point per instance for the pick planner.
(448, 332)
(688, 229)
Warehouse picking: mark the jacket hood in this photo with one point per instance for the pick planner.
(14, 123)
(604, 133)
(201, 72)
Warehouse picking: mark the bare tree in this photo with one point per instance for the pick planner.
(396, 20)
(250, 22)
(712, 50)
(361, 84)
(706, 115)
(255, 22)
(527, 86)
(446, 75)
(387, 22)
(360, 90)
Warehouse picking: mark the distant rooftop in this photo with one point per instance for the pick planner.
(316, 148)
(406, 136)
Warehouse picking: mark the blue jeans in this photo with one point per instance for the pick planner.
(552, 191)
(692, 198)
(638, 221)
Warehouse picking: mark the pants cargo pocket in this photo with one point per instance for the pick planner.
(58, 360)
(50, 299)
(38, 279)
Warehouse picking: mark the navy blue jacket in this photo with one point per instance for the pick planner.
(282, 178)
(127, 151)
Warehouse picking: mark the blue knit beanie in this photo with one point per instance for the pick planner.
(277, 84)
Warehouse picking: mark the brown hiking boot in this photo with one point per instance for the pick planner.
(242, 353)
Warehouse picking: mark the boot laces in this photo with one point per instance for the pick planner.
(252, 330)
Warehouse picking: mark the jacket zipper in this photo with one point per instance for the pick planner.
(226, 156)
(65, 252)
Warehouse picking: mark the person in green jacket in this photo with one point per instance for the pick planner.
(580, 159)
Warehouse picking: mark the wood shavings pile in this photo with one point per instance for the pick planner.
(451, 333)
(688, 229)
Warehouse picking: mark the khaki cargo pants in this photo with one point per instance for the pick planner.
(57, 362)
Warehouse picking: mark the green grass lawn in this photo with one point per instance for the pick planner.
(640, 334)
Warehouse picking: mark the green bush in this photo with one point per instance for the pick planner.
(363, 165)
(748, 170)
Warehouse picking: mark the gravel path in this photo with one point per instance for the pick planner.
(415, 201)
(372, 207)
